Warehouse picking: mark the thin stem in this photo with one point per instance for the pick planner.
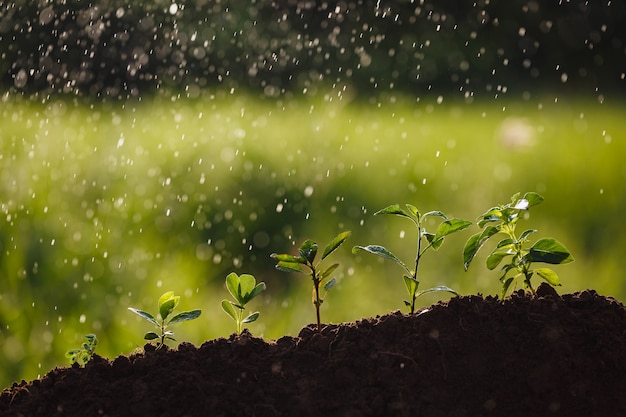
(417, 264)
(317, 302)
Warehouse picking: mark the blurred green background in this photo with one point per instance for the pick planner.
(160, 145)
(108, 207)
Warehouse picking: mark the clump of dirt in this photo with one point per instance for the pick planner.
(540, 354)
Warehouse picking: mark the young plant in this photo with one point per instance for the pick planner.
(425, 241)
(85, 353)
(503, 220)
(243, 289)
(167, 303)
(306, 259)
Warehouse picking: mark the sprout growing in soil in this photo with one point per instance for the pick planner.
(85, 353)
(306, 258)
(503, 220)
(167, 303)
(434, 241)
(243, 289)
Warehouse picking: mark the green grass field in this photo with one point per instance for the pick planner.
(106, 207)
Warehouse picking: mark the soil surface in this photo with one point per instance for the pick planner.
(538, 355)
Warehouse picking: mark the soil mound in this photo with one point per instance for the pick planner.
(536, 355)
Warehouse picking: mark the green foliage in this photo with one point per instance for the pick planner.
(432, 240)
(243, 289)
(83, 354)
(306, 259)
(503, 220)
(167, 303)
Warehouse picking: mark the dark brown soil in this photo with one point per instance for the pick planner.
(471, 356)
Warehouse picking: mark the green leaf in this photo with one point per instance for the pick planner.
(308, 250)
(505, 242)
(335, 243)
(330, 284)
(525, 234)
(494, 214)
(475, 242)
(411, 284)
(151, 336)
(549, 276)
(71, 353)
(247, 283)
(229, 308)
(382, 252)
(435, 213)
(447, 227)
(435, 289)
(185, 316)
(252, 317)
(144, 315)
(549, 251)
(288, 258)
(394, 209)
(506, 283)
(290, 267)
(167, 303)
(494, 259)
(328, 271)
(533, 199)
(413, 211)
(233, 285)
(256, 291)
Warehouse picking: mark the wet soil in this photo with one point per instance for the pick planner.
(538, 355)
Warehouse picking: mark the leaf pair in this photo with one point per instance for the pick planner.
(243, 289)
(167, 303)
(503, 220)
(305, 262)
(433, 240)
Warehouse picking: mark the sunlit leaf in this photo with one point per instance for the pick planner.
(549, 276)
(494, 259)
(447, 227)
(151, 336)
(167, 302)
(308, 250)
(252, 317)
(185, 316)
(335, 243)
(288, 258)
(413, 210)
(533, 199)
(247, 283)
(331, 283)
(526, 233)
(411, 284)
(232, 285)
(474, 243)
(435, 289)
(145, 315)
(550, 251)
(382, 252)
(393, 209)
(229, 309)
(436, 214)
(290, 267)
(328, 271)
(256, 291)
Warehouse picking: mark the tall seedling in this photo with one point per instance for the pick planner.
(243, 289)
(304, 262)
(425, 241)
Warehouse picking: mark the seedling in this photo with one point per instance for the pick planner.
(243, 289)
(503, 220)
(306, 259)
(85, 353)
(167, 304)
(425, 241)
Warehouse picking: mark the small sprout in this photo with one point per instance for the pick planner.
(85, 353)
(503, 220)
(167, 303)
(306, 258)
(432, 240)
(243, 289)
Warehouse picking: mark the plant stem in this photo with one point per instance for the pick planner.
(417, 264)
(317, 301)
